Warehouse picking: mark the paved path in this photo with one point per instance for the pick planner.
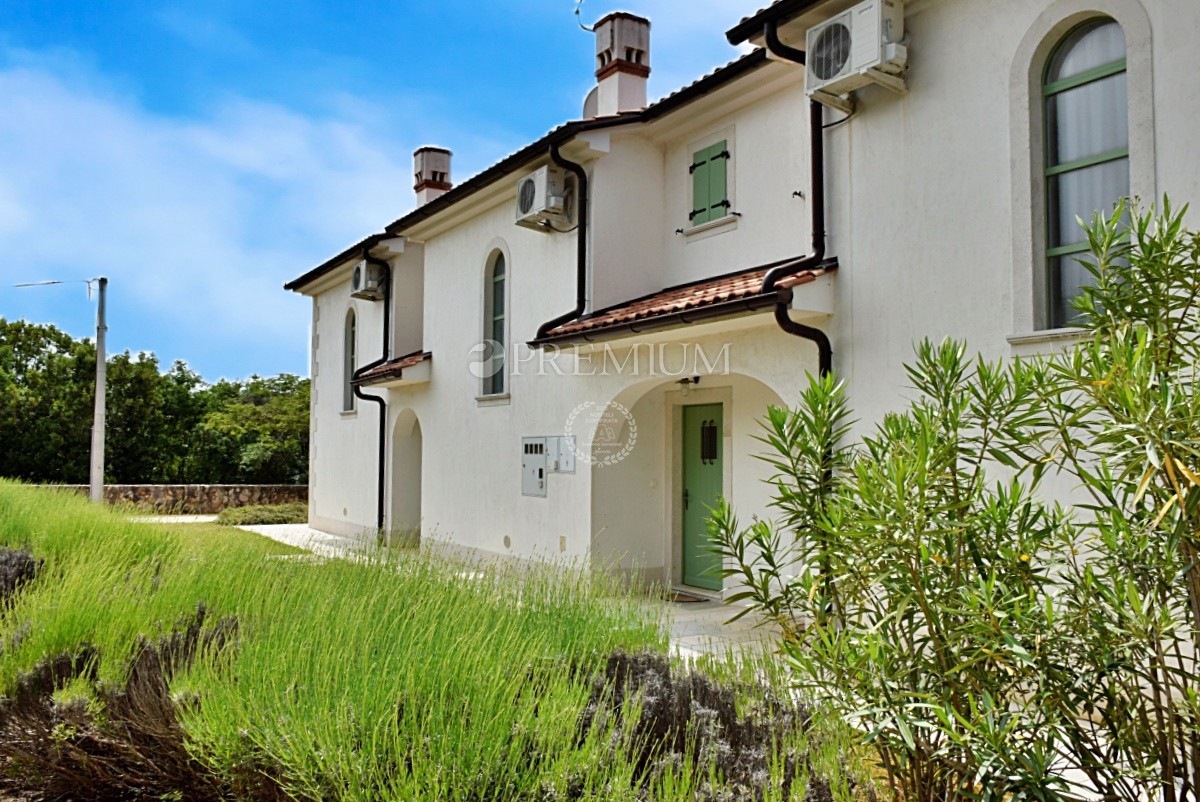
(699, 628)
(696, 628)
(302, 536)
(174, 519)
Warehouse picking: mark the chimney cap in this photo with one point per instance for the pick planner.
(612, 15)
(431, 171)
(622, 45)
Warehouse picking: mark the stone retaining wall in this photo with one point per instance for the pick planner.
(197, 499)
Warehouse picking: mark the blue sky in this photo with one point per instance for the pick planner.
(199, 154)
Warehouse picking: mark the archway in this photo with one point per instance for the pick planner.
(638, 501)
(404, 524)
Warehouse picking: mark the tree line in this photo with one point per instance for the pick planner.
(163, 426)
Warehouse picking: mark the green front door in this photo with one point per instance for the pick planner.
(703, 477)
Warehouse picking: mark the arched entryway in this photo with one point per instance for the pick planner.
(694, 444)
(404, 524)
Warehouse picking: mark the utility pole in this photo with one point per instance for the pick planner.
(96, 478)
(97, 473)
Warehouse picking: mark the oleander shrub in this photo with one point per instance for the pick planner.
(992, 639)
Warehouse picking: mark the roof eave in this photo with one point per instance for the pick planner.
(392, 373)
(778, 13)
(732, 307)
(535, 150)
(570, 130)
(515, 161)
(683, 317)
(298, 284)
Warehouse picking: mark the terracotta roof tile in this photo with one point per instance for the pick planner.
(743, 286)
(393, 368)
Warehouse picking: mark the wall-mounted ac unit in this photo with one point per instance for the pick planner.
(544, 199)
(367, 281)
(858, 47)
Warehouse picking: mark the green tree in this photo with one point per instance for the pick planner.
(162, 426)
(261, 427)
(46, 395)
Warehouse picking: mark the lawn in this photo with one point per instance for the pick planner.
(198, 540)
(199, 662)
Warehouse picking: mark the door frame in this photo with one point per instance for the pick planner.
(675, 402)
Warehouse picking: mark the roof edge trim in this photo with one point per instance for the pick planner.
(564, 133)
(779, 12)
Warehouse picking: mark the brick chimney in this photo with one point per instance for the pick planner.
(431, 167)
(622, 63)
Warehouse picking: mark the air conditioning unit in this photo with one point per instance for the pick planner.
(861, 46)
(367, 281)
(544, 199)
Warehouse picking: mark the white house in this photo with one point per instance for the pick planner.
(568, 353)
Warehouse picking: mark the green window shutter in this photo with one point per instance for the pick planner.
(700, 187)
(710, 183)
(718, 181)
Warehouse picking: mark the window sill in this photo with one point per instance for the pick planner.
(713, 227)
(497, 400)
(348, 413)
(1047, 336)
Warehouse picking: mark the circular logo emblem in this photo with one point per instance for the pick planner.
(485, 359)
(604, 434)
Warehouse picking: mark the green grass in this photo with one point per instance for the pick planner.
(198, 539)
(260, 514)
(401, 677)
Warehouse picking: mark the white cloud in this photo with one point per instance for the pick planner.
(197, 222)
(199, 219)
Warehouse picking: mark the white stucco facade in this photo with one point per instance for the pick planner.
(934, 200)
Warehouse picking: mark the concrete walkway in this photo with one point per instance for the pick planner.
(700, 628)
(174, 519)
(695, 628)
(322, 544)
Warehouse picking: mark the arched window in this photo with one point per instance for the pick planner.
(1087, 151)
(349, 361)
(495, 326)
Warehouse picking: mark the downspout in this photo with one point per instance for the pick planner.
(581, 243)
(817, 154)
(816, 134)
(375, 399)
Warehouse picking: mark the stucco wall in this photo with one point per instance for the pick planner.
(642, 194)
(768, 140)
(932, 238)
(342, 475)
(408, 293)
(196, 499)
(930, 201)
(471, 455)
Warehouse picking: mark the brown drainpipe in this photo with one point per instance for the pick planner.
(816, 132)
(581, 245)
(375, 399)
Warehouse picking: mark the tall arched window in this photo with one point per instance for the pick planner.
(494, 325)
(349, 360)
(1087, 151)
